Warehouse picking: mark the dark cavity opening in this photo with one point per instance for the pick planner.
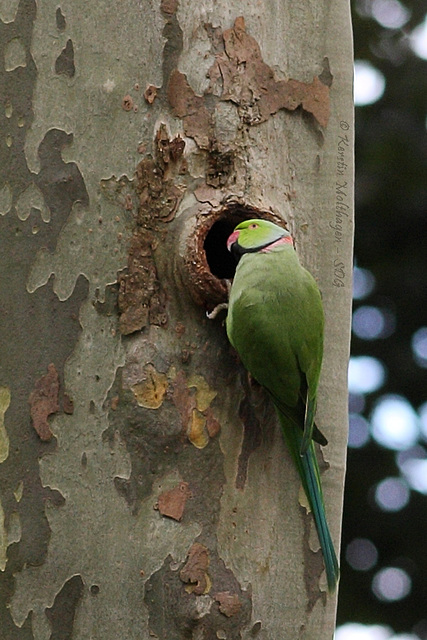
(221, 262)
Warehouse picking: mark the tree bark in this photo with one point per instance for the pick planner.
(145, 487)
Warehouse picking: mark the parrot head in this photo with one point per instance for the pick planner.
(255, 235)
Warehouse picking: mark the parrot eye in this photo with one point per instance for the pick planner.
(253, 226)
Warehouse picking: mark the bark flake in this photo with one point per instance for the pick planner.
(197, 598)
(240, 75)
(44, 402)
(150, 93)
(172, 503)
(195, 571)
(141, 299)
(192, 397)
(229, 603)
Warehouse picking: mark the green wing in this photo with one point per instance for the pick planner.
(275, 323)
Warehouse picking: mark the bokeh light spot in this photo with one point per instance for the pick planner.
(369, 83)
(361, 554)
(391, 584)
(356, 631)
(391, 14)
(358, 434)
(392, 494)
(419, 347)
(368, 323)
(418, 40)
(363, 283)
(415, 472)
(394, 423)
(417, 451)
(356, 402)
(365, 374)
(422, 412)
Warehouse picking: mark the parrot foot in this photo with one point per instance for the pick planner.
(219, 307)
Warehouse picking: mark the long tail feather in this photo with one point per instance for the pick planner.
(308, 470)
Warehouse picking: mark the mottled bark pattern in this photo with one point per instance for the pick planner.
(145, 488)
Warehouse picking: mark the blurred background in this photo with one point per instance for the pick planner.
(383, 591)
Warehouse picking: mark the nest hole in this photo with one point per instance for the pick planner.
(221, 262)
(207, 261)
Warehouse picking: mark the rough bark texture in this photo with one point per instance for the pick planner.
(145, 487)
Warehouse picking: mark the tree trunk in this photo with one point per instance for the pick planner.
(145, 487)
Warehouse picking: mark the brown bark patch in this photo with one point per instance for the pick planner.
(181, 397)
(141, 299)
(240, 75)
(115, 403)
(44, 402)
(168, 150)
(127, 103)
(137, 286)
(220, 169)
(197, 120)
(169, 6)
(210, 195)
(172, 503)
(175, 613)
(150, 93)
(290, 94)
(229, 603)
(212, 424)
(158, 197)
(195, 571)
(250, 83)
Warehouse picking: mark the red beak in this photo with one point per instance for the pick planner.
(232, 239)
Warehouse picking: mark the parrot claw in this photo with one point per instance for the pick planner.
(219, 307)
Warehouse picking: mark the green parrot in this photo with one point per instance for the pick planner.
(275, 322)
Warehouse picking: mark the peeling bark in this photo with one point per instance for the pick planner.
(172, 503)
(43, 402)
